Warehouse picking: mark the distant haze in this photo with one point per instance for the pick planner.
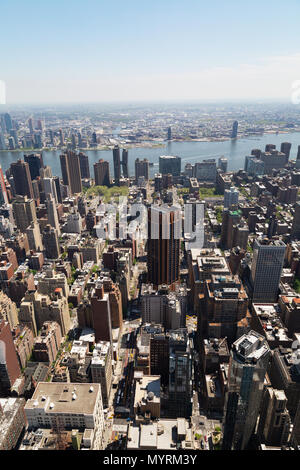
(95, 51)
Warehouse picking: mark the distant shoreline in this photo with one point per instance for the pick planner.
(148, 144)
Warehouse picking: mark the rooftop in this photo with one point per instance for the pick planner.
(250, 347)
(147, 389)
(55, 397)
(161, 435)
(269, 316)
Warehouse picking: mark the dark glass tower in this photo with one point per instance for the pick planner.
(22, 180)
(35, 162)
(117, 164)
(125, 163)
(247, 369)
(234, 130)
(84, 166)
(71, 173)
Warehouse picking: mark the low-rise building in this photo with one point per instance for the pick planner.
(147, 397)
(166, 434)
(73, 406)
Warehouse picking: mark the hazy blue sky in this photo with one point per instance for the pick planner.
(96, 50)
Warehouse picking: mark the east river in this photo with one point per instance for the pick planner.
(234, 150)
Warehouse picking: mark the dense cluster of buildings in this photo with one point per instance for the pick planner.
(177, 339)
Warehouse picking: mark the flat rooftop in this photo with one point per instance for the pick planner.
(161, 435)
(147, 387)
(55, 397)
(269, 316)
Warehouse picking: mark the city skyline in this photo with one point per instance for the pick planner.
(149, 228)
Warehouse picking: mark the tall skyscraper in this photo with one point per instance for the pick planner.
(9, 365)
(298, 158)
(24, 212)
(52, 213)
(58, 191)
(206, 170)
(14, 135)
(79, 140)
(73, 141)
(169, 164)
(30, 125)
(117, 164)
(101, 172)
(286, 149)
(222, 164)
(34, 237)
(61, 137)
(169, 134)
(64, 169)
(11, 143)
(295, 234)
(125, 163)
(46, 172)
(70, 168)
(101, 315)
(35, 162)
(164, 233)
(254, 166)
(247, 369)
(230, 219)
(272, 228)
(266, 268)
(179, 387)
(270, 147)
(84, 165)
(50, 188)
(75, 173)
(39, 125)
(51, 136)
(50, 242)
(231, 197)
(2, 124)
(3, 192)
(8, 122)
(22, 179)
(141, 169)
(2, 142)
(94, 139)
(235, 126)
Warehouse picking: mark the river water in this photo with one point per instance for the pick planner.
(234, 150)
